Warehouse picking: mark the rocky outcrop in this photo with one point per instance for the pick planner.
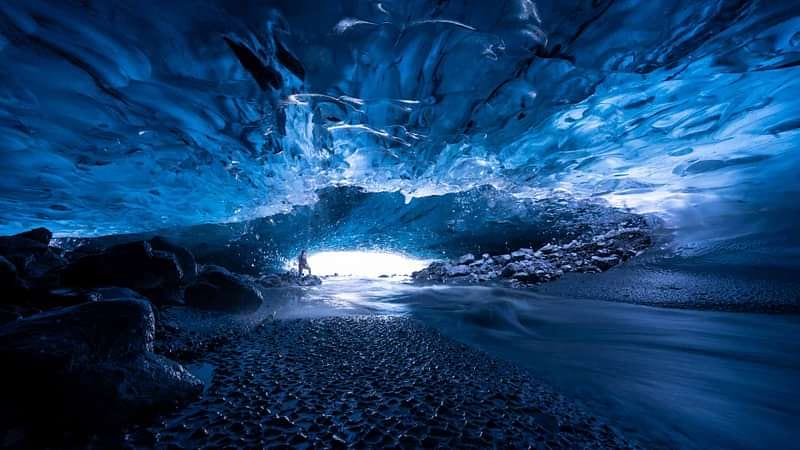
(288, 279)
(9, 277)
(86, 365)
(186, 261)
(526, 266)
(36, 277)
(156, 274)
(31, 254)
(218, 289)
(42, 235)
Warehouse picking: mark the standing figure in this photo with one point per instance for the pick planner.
(302, 263)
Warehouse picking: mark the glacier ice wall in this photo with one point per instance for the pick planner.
(131, 116)
(348, 218)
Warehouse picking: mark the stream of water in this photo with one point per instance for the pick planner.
(668, 378)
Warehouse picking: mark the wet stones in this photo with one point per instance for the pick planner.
(86, 365)
(218, 289)
(526, 266)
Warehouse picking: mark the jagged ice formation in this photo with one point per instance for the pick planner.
(128, 117)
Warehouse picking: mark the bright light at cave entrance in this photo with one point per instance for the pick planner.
(363, 264)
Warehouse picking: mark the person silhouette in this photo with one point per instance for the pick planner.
(302, 263)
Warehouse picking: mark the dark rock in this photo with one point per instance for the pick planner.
(89, 365)
(8, 316)
(11, 246)
(605, 262)
(510, 269)
(186, 259)
(8, 271)
(115, 293)
(63, 297)
(502, 259)
(271, 280)
(521, 254)
(218, 289)
(13, 312)
(308, 280)
(523, 276)
(42, 235)
(549, 248)
(156, 274)
(30, 254)
(288, 279)
(90, 330)
(11, 285)
(41, 268)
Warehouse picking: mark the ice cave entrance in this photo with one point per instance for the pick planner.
(363, 264)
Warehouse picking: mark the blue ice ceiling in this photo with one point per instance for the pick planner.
(119, 116)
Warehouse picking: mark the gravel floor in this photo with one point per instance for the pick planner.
(367, 382)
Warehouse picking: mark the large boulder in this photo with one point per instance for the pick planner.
(135, 265)
(31, 254)
(10, 282)
(469, 258)
(289, 278)
(218, 289)
(89, 365)
(8, 315)
(41, 234)
(58, 298)
(115, 293)
(185, 258)
(306, 281)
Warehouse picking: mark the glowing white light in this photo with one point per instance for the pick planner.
(366, 264)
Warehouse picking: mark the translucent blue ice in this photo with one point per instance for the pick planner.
(120, 116)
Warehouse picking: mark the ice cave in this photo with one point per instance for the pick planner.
(400, 224)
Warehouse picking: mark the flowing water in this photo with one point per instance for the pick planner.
(668, 378)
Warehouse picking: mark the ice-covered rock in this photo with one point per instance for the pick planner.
(469, 258)
(605, 262)
(457, 270)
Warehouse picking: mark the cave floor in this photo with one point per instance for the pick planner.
(370, 381)
(383, 363)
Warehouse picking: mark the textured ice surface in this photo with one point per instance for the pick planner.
(130, 116)
(481, 219)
